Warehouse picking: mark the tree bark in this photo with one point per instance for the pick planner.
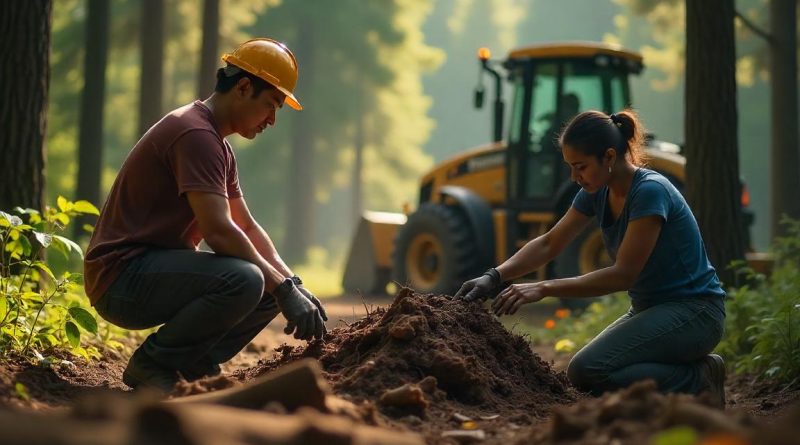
(24, 85)
(209, 59)
(300, 214)
(151, 82)
(712, 155)
(358, 163)
(785, 144)
(90, 139)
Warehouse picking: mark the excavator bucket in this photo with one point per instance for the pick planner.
(369, 264)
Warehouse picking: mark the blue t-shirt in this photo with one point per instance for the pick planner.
(678, 267)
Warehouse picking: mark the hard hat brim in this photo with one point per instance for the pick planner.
(291, 100)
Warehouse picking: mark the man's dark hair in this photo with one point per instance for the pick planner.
(229, 76)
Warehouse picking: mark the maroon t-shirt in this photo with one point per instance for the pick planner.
(147, 205)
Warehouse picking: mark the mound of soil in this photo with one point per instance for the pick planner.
(458, 361)
(638, 413)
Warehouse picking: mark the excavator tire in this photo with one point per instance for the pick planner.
(435, 251)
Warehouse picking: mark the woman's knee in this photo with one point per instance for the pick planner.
(584, 373)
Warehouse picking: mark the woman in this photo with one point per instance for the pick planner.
(677, 311)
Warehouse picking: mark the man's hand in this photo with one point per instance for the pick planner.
(304, 318)
(514, 296)
(481, 288)
(306, 293)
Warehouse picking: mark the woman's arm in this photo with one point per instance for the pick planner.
(637, 245)
(543, 249)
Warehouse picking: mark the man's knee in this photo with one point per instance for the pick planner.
(247, 285)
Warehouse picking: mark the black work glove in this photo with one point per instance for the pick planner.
(306, 293)
(485, 286)
(304, 318)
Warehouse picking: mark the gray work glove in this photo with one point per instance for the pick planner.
(303, 316)
(299, 283)
(485, 286)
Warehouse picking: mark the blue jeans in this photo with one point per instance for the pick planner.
(210, 306)
(664, 342)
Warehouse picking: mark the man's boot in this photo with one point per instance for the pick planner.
(200, 370)
(143, 372)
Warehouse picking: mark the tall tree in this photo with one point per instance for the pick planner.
(90, 139)
(209, 57)
(785, 144)
(300, 205)
(712, 155)
(374, 48)
(151, 82)
(24, 84)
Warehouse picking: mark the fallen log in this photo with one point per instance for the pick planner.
(293, 386)
(204, 424)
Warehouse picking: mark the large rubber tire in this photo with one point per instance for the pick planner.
(435, 251)
(584, 254)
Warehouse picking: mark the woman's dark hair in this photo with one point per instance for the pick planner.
(229, 76)
(593, 132)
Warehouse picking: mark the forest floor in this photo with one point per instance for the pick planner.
(472, 380)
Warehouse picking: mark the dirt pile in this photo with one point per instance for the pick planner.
(452, 357)
(638, 413)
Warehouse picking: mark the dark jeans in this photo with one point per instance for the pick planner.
(664, 342)
(210, 306)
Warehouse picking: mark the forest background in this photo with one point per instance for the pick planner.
(391, 78)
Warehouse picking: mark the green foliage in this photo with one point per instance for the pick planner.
(763, 318)
(39, 310)
(570, 332)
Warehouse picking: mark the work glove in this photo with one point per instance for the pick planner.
(303, 316)
(299, 283)
(485, 286)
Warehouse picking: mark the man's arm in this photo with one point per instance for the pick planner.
(213, 214)
(257, 235)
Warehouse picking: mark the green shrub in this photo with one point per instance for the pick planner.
(763, 318)
(39, 310)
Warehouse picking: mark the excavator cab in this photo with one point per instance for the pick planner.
(550, 85)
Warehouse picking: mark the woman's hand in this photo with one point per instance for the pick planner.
(514, 296)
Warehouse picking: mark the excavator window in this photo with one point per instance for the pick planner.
(558, 90)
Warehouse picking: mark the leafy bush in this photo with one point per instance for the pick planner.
(39, 310)
(763, 324)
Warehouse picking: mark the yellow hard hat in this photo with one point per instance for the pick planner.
(270, 60)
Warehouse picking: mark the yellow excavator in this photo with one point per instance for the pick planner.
(478, 208)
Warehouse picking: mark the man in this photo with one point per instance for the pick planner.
(178, 186)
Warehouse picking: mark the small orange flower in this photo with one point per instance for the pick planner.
(562, 313)
(550, 324)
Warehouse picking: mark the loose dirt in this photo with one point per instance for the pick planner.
(462, 366)
(451, 372)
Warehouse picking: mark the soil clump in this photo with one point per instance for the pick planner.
(640, 414)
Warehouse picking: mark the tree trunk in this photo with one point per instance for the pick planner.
(785, 146)
(358, 163)
(208, 50)
(300, 202)
(712, 156)
(90, 139)
(151, 82)
(24, 84)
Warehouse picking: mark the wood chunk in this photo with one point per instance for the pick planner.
(295, 385)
